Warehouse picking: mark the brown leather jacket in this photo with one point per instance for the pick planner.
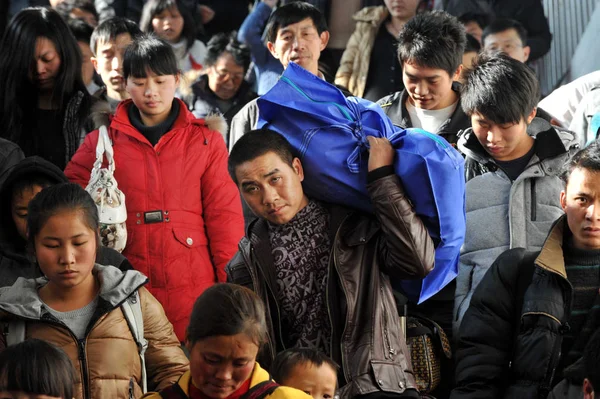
(107, 359)
(367, 251)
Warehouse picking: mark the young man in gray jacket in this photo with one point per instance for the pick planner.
(516, 201)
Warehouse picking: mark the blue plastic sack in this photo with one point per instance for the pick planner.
(329, 131)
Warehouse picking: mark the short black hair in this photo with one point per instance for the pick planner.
(65, 7)
(591, 359)
(285, 361)
(227, 43)
(110, 28)
(148, 52)
(155, 7)
(479, 18)
(81, 30)
(503, 24)
(257, 143)
(434, 40)
(587, 158)
(473, 44)
(292, 13)
(500, 88)
(37, 367)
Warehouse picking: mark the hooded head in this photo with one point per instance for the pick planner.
(26, 179)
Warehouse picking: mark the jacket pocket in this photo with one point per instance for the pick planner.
(389, 376)
(190, 238)
(188, 259)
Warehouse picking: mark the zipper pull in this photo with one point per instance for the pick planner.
(81, 344)
(131, 389)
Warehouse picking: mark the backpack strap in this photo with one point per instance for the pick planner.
(132, 309)
(261, 390)
(14, 332)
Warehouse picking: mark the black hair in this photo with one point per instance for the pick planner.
(148, 52)
(257, 143)
(37, 367)
(504, 24)
(285, 361)
(65, 7)
(472, 45)
(434, 40)
(19, 95)
(155, 7)
(591, 359)
(587, 158)
(500, 88)
(81, 30)
(480, 19)
(29, 181)
(292, 13)
(110, 28)
(59, 198)
(227, 309)
(227, 43)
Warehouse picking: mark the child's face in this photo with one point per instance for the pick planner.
(503, 142)
(18, 209)
(65, 248)
(317, 381)
(168, 25)
(153, 96)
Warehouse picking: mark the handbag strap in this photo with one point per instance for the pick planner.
(104, 147)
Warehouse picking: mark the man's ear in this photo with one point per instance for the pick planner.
(324, 36)
(297, 166)
(531, 115)
(563, 200)
(271, 48)
(526, 52)
(95, 63)
(588, 389)
(456, 76)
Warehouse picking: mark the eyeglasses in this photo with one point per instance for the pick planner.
(504, 47)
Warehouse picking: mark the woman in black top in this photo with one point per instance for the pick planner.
(44, 105)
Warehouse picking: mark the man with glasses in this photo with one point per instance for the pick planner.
(508, 36)
(223, 89)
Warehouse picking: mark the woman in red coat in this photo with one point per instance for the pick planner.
(184, 216)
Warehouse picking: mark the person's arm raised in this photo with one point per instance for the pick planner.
(406, 249)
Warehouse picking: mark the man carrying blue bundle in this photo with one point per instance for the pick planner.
(324, 271)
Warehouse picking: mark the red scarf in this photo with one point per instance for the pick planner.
(195, 393)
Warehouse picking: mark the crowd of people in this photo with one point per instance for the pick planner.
(232, 280)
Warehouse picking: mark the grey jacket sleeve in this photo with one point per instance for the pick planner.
(244, 121)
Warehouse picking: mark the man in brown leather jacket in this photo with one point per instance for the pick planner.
(324, 271)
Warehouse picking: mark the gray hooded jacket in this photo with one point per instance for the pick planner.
(503, 214)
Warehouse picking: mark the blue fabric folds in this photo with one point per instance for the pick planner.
(329, 131)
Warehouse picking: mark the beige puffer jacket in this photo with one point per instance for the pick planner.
(354, 66)
(107, 359)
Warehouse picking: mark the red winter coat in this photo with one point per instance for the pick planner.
(184, 176)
